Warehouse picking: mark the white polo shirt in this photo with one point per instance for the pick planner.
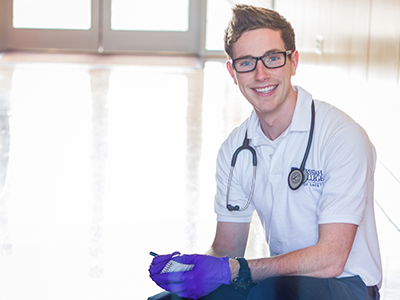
(339, 189)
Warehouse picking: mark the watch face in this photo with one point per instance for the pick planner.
(242, 282)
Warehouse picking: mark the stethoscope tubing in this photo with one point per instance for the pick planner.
(246, 146)
(310, 138)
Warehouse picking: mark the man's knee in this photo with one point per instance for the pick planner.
(290, 288)
(271, 288)
(165, 296)
(223, 292)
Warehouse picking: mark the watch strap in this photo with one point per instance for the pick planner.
(244, 267)
(244, 277)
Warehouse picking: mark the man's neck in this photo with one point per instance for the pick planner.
(275, 123)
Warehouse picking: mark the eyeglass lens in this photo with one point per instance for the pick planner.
(247, 64)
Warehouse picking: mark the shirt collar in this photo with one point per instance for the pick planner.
(300, 121)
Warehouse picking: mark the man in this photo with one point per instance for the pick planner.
(311, 185)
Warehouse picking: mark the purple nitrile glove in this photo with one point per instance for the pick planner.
(208, 274)
(160, 261)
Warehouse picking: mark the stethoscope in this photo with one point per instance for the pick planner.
(296, 178)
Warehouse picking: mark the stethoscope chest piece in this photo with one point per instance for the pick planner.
(296, 178)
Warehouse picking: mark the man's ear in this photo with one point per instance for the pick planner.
(231, 71)
(295, 61)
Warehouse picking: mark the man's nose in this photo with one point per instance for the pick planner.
(261, 71)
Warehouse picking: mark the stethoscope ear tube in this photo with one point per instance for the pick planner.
(237, 207)
(245, 146)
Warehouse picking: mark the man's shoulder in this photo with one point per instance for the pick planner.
(237, 135)
(336, 128)
(329, 110)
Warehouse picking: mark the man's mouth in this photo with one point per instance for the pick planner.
(266, 89)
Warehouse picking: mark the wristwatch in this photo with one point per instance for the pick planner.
(244, 278)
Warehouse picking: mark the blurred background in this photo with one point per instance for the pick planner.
(111, 116)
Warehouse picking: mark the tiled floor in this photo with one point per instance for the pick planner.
(103, 159)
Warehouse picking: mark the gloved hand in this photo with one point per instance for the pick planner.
(160, 261)
(208, 274)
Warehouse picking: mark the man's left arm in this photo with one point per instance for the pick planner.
(326, 259)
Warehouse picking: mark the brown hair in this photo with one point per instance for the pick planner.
(247, 17)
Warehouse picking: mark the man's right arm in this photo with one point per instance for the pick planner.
(230, 240)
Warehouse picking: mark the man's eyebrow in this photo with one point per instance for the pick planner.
(273, 51)
(265, 53)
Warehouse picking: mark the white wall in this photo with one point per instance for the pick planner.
(2, 26)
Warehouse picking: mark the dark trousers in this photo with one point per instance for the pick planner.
(291, 288)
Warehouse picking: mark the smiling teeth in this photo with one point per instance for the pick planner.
(266, 90)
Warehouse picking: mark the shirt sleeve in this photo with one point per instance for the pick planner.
(349, 169)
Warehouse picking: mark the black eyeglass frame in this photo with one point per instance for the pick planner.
(287, 53)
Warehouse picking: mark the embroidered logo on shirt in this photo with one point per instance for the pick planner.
(315, 178)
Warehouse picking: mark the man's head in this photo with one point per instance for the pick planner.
(246, 18)
(263, 59)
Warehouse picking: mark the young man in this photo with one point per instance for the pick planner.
(304, 166)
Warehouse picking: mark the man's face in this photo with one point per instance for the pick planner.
(267, 90)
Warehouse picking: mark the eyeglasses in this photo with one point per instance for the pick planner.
(270, 61)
